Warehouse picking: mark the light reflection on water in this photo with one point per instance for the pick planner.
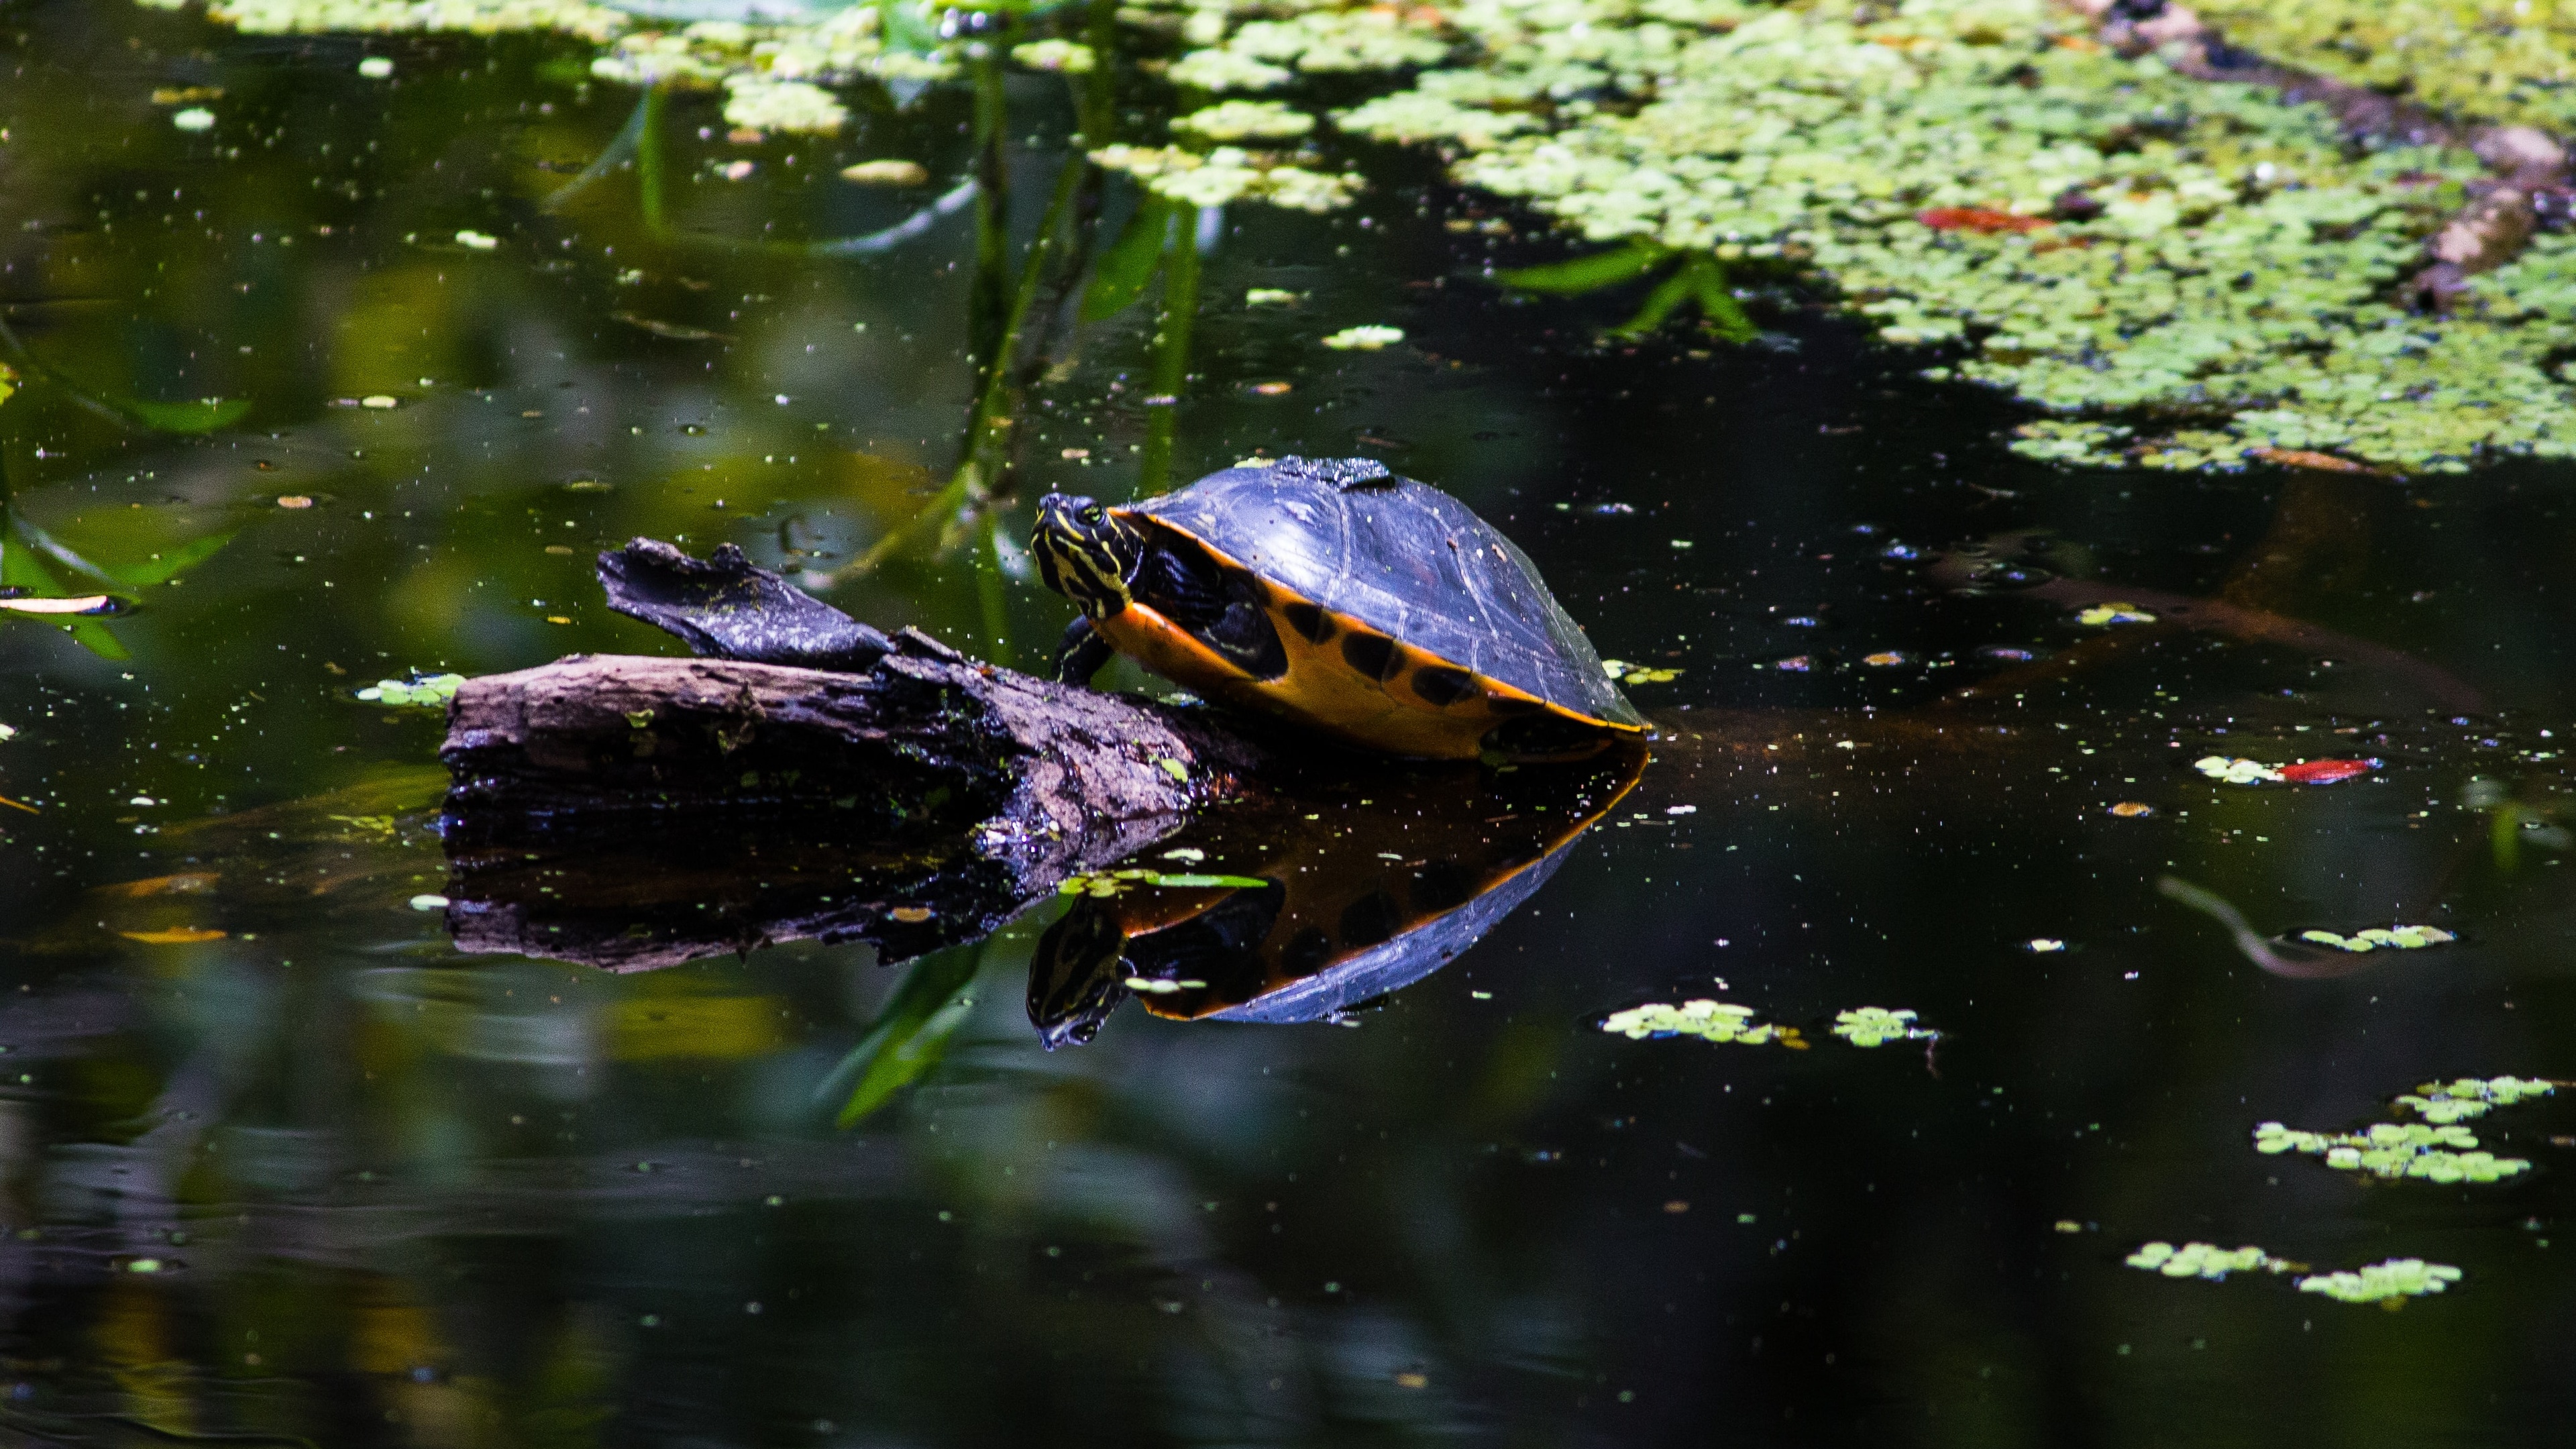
(392, 1193)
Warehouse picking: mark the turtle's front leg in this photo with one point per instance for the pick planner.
(1082, 653)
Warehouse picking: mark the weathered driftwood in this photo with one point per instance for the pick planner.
(924, 799)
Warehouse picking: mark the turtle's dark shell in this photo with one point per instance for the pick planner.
(1407, 560)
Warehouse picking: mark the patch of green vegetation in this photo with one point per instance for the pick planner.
(2390, 938)
(1627, 673)
(2204, 1260)
(1716, 1021)
(2052, 440)
(473, 17)
(1364, 339)
(1229, 174)
(1247, 121)
(2499, 60)
(1062, 57)
(1358, 38)
(2469, 1097)
(1870, 1026)
(1223, 70)
(431, 691)
(2109, 241)
(2436, 1149)
(766, 104)
(1113, 882)
(773, 74)
(2389, 1284)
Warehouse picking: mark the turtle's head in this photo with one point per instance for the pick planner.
(1086, 553)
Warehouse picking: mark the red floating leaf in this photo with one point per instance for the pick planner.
(1977, 218)
(2325, 772)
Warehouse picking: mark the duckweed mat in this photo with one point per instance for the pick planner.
(2174, 272)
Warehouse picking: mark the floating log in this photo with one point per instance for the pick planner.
(924, 773)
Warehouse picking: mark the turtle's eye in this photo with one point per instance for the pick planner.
(1091, 515)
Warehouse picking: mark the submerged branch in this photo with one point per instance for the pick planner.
(2529, 170)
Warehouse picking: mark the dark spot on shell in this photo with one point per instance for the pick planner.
(1370, 654)
(1368, 920)
(1441, 686)
(1309, 620)
(1243, 583)
(1501, 703)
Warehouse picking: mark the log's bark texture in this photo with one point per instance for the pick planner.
(929, 772)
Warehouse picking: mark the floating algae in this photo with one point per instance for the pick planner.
(1720, 1021)
(2184, 274)
(2195, 251)
(1247, 121)
(1364, 339)
(2387, 938)
(2469, 1097)
(1716, 1021)
(1063, 57)
(2511, 61)
(2439, 1153)
(1229, 174)
(772, 73)
(431, 691)
(1870, 1026)
(2434, 1150)
(2205, 1260)
(474, 17)
(2388, 1284)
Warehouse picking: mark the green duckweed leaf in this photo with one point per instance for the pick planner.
(1713, 1021)
(1871, 1026)
(2204, 1260)
(2388, 1283)
(421, 691)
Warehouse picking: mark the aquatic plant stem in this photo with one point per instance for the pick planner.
(991, 598)
(620, 148)
(648, 161)
(990, 420)
(1171, 355)
(987, 299)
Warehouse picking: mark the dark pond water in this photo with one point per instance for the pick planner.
(280, 1164)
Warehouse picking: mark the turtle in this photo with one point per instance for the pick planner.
(1338, 595)
(1300, 914)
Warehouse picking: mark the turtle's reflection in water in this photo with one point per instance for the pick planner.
(1329, 899)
